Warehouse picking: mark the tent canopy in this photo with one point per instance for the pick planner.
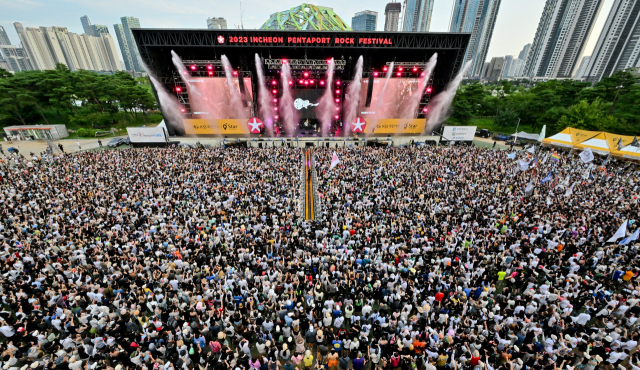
(598, 144)
(629, 151)
(527, 136)
(562, 138)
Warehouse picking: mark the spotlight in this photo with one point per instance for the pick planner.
(328, 61)
(290, 83)
(422, 74)
(415, 69)
(210, 73)
(182, 110)
(301, 82)
(235, 73)
(306, 82)
(275, 100)
(275, 108)
(400, 69)
(277, 117)
(185, 72)
(274, 91)
(337, 100)
(312, 82)
(337, 116)
(322, 82)
(425, 109)
(338, 82)
(338, 92)
(178, 89)
(337, 109)
(375, 74)
(385, 68)
(398, 74)
(284, 61)
(273, 82)
(306, 74)
(429, 89)
(193, 67)
(210, 67)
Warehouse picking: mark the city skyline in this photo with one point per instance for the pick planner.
(505, 41)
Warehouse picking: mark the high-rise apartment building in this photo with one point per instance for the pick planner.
(559, 42)
(53, 44)
(99, 29)
(417, 15)
(582, 69)
(366, 20)
(128, 23)
(493, 71)
(124, 47)
(4, 38)
(16, 58)
(477, 17)
(392, 16)
(618, 46)
(217, 23)
(86, 25)
(524, 52)
(34, 42)
(516, 68)
(508, 59)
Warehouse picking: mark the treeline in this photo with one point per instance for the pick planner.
(81, 99)
(612, 105)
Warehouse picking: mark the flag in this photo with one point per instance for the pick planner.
(546, 178)
(511, 156)
(635, 142)
(524, 165)
(555, 157)
(632, 238)
(334, 161)
(570, 190)
(529, 189)
(604, 163)
(532, 150)
(622, 231)
(542, 133)
(586, 155)
(545, 159)
(620, 144)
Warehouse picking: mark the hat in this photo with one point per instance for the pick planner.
(598, 358)
(608, 339)
(36, 364)
(119, 367)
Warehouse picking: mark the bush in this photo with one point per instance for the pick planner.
(85, 132)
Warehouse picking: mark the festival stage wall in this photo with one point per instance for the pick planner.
(210, 97)
(385, 127)
(218, 127)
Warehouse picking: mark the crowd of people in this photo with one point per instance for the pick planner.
(421, 258)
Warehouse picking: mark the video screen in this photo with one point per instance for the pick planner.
(393, 102)
(210, 97)
(306, 101)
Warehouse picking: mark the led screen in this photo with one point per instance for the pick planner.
(210, 97)
(306, 101)
(392, 103)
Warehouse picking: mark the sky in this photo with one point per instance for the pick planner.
(516, 24)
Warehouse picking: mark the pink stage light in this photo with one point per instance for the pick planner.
(385, 68)
(312, 82)
(429, 89)
(301, 82)
(193, 67)
(290, 83)
(210, 73)
(337, 116)
(422, 74)
(322, 82)
(275, 100)
(210, 67)
(398, 74)
(338, 82)
(306, 74)
(328, 61)
(275, 108)
(400, 69)
(415, 69)
(306, 82)
(337, 100)
(277, 117)
(375, 74)
(235, 73)
(273, 82)
(178, 89)
(274, 91)
(284, 61)
(337, 91)
(337, 109)
(425, 110)
(182, 110)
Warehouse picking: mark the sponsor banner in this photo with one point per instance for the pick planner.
(146, 134)
(215, 127)
(459, 133)
(395, 126)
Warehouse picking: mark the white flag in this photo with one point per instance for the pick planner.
(570, 190)
(586, 155)
(542, 133)
(632, 238)
(622, 231)
(524, 165)
(511, 156)
(334, 161)
(532, 150)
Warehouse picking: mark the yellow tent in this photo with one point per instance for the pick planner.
(630, 152)
(562, 138)
(598, 144)
(613, 139)
(580, 136)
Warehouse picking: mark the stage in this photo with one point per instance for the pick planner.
(307, 53)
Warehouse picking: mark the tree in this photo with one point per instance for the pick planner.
(587, 116)
(506, 118)
(462, 110)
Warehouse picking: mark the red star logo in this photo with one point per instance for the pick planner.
(220, 39)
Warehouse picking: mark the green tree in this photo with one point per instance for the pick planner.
(587, 116)
(506, 118)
